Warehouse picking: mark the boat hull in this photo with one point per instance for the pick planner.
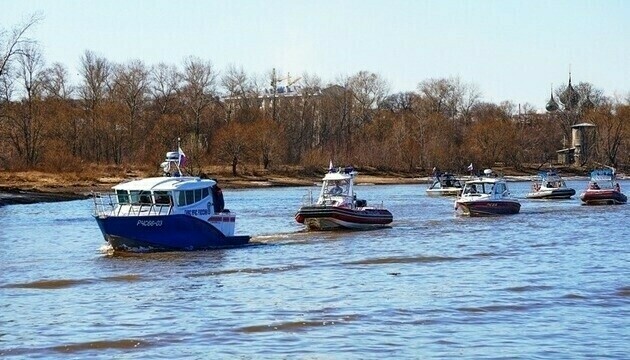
(334, 218)
(164, 233)
(487, 207)
(551, 194)
(444, 192)
(603, 197)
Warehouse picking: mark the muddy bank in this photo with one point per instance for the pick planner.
(34, 192)
(13, 196)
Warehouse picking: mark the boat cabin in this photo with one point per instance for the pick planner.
(192, 196)
(338, 188)
(485, 187)
(603, 179)
(445, 180)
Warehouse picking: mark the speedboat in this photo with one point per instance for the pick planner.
(486, 196)
(445, 184)
(603, 189)
(549, 185)
(171, 212)
(337, 206)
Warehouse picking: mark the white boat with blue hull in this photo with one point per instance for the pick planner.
(166, 213)
(549, 185)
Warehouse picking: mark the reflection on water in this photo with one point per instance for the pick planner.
(550, 282)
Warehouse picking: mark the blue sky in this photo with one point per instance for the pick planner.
(511, 50)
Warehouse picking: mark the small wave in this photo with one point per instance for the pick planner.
(624, 291)
(445, 342)
(494, 308)
(102, 345)
(271, 237)
(297, 326)
(572, 296)
(483, 254)
(106, 249)
(264, 270)
(66, 283)
(48, 284)
(123, 278)
(403, 260)
(529, 288)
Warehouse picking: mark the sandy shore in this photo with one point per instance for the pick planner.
(31, 188)
(28, 188)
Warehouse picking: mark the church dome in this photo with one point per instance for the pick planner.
(570, 98)
(552, 105)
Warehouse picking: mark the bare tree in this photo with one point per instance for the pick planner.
(13, 42)
(450, 97)
(95, 71)
(165, 83)
(232, 144)
(130, 86)
(58, 93)
(369, 90)
(336, 110)
(57, 84)
(613, 129)
(198, 94)
(26, 126)
(241, 100)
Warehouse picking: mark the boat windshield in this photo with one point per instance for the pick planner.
(478, 188)
(144, 197)
(336, 187)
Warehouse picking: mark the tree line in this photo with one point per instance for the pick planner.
(131, 113)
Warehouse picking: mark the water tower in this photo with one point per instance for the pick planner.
(582, 141)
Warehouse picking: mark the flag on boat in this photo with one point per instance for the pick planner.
(470, 167)
(330, 166)
(182, 157)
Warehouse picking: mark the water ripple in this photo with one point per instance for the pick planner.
(263, 270)
(495, 308)
(403, 260)
(48, 284)
(529, 288)
(624, 291)
(102, 345)
(66, 283)
(99, 345)
(298, 326)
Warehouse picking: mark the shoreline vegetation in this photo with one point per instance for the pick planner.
(54, 129)
(27, 187)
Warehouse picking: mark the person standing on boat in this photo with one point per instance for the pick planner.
(337, 190)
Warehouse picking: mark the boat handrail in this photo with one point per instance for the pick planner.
(308, 198)
(108, 204)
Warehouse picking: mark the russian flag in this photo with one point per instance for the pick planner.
(182, 158)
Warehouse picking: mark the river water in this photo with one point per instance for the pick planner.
(552, 282)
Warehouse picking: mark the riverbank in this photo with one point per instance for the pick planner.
(33, 187)
(26, 187)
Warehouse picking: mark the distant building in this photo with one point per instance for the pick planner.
(582, 134)
(582, 142)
